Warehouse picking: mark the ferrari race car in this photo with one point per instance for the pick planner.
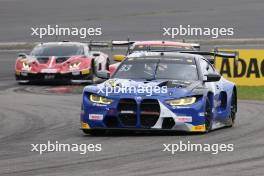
(60, 61)
(161, 91)
(135, 47)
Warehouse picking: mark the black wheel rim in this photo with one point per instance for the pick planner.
(233, 108)
(208, 116)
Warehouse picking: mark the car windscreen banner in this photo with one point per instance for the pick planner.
(247, 70)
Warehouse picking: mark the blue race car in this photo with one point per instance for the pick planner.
(161, 91)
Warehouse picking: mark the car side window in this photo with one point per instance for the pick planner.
(206, 67)
(86, 50)
(211, 70)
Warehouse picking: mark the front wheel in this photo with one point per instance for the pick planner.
(233, 110)
(107, 65)
(94, 71)
(208, 116)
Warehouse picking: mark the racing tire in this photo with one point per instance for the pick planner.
(208, 116)
(107, 65)
(233, 110)
(93, 79)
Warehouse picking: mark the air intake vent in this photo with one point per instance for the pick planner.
(43, 60)
(149, 113)
(61, 59)
(127, 110)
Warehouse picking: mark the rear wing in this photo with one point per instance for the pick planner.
(216, 53)
(125, 43)
(98, 44)
(129, 43)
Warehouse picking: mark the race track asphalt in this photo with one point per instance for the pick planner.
(137, 19)
(30, 117)
(31, 114)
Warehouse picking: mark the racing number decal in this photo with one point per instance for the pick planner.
(125, 68)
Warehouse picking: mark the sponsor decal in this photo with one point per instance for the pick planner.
(183, 119)
(48, 70)
(199, 128)
(96, 117)
(84, 72)
(249, 69)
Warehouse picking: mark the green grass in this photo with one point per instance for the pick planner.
(250, 92)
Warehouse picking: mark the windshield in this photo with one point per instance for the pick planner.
(164, 68)
(57, 50)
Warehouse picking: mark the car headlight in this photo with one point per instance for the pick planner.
(26, 66)
(75, 65)
(182, 101)
(100, 100)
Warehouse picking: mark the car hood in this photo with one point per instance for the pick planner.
(129, 87)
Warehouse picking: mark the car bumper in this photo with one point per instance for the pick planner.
(82, 76)
(189, 119)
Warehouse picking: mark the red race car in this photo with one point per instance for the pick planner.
(61, 61)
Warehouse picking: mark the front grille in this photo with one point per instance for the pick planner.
(149, 113)
(61, 59)
(127, 112)
(43, 60)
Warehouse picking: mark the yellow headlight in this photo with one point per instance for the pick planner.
(75, 65)
(100, 100)
(182, 101)
(26, 66)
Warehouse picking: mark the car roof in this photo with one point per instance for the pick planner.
(162, 54)
(163, 43)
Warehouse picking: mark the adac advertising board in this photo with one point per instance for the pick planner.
(249, 69)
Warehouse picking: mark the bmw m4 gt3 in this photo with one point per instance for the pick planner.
(60, 61)
(160, 91)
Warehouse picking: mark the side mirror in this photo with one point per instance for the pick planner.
(23, 55)
(103, 74)
(96, 54)
(119, 58)
(212, 78)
